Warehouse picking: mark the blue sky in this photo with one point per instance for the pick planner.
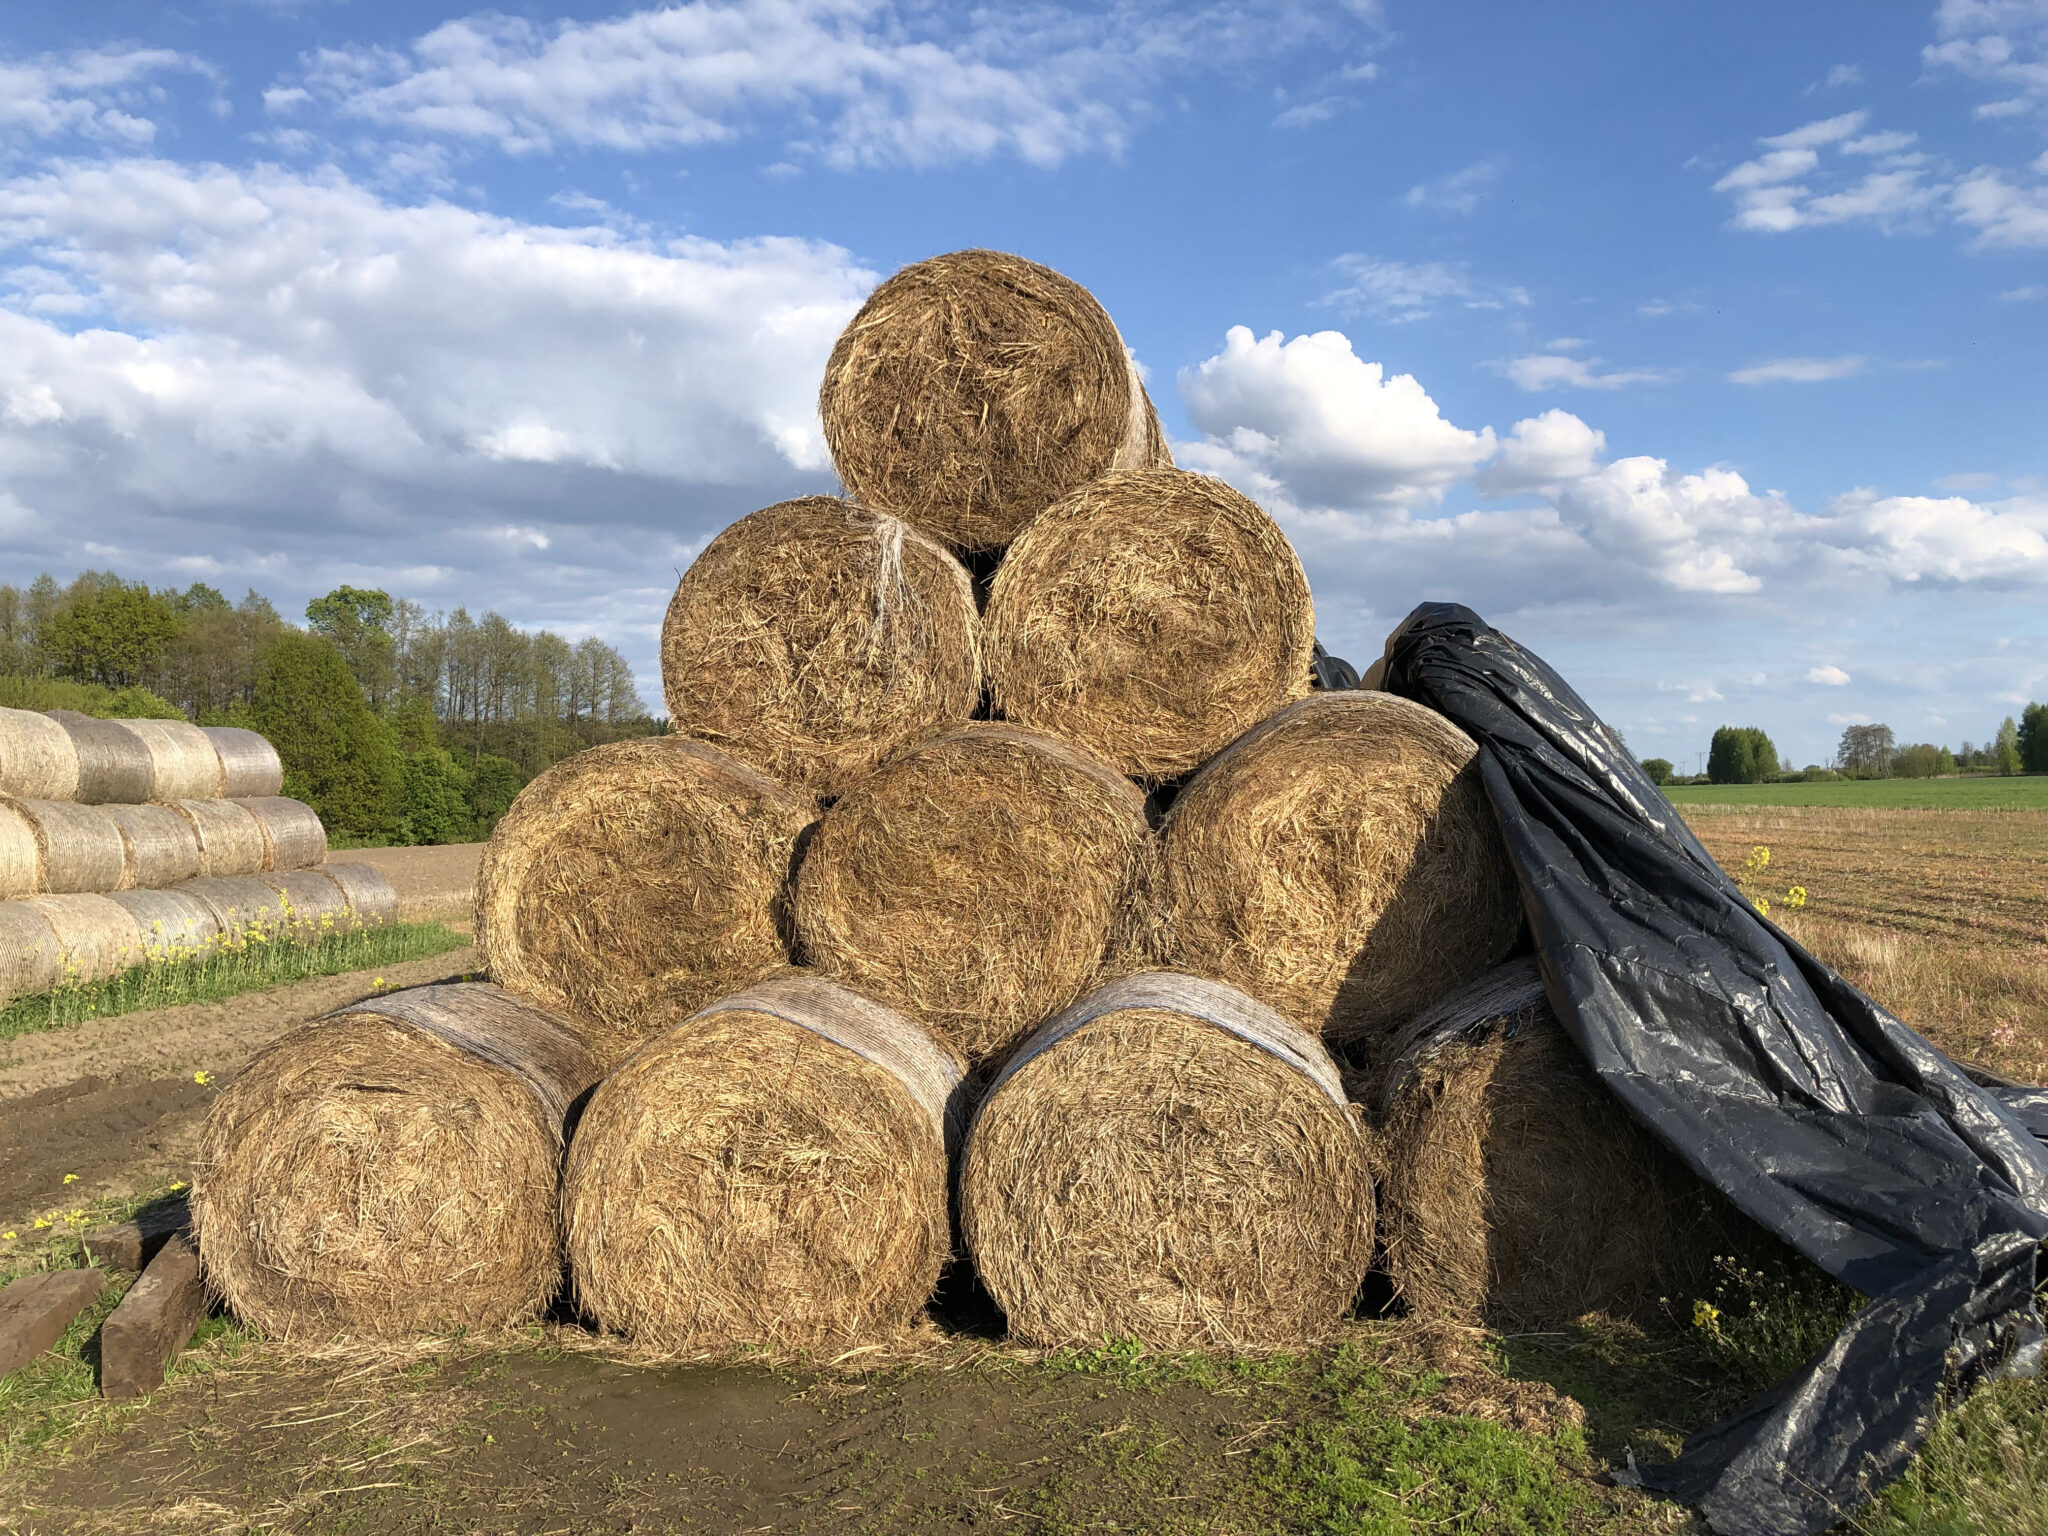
(1701, 348)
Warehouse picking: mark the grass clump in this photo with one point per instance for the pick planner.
(1767, 1315)
(258, 957)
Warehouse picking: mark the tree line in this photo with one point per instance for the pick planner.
(397, 724)
(1742, 754)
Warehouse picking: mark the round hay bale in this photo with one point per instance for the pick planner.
(113, 762)
(293, 837)
(163, 846)
(1169, 1161)
(231, 840)
(391, 1169)
(182, 762)
(80, 847)
(21, 851)
(37, 758)
(173, 925)
(1150, 617)
(29, 957)
(372, 901)
(972, 881)
(813, 638)
(96, 938)
(1340, 863)
(249, 764)
(245, 906)
(974, 390)
(315, 907)
(769, 1171)
(637, 867)
(1519, 1193)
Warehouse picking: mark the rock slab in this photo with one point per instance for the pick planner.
(144, 1334)
(132, 1244)
(36, 1309)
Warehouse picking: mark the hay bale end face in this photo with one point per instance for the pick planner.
(1151, 618)
(973, 881)
(1518, 1191)
(81, 848)
(974, 390)
(293, 837)
(96, 937)
(1340, 863)
(113, 762)
(1170, 1162)
(231, 840)
(635, 869)
(249, 764)
(37, 758)
(391, 1169)
(814, 638)
(174, 925)
(30, 956)
(163, 846)
(768, 1172)
(182, 762)
(21, 851)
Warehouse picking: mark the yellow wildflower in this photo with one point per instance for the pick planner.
(202, 1077)
(1706, 1315)
(42, 1222)
(70, 1178)
(1796, 897)
(176, 1185)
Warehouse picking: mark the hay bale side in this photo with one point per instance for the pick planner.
(814, 638)
(1519, 1193)
(315, 907)
(769, 1171)
(973, 881)
(1150, 617)
(1171, 1162)
(172, 924)
(372, 900)
(231, 840)
(246, 906)
(30, 958)
(81, 847)
(37, 758)
(163, 846)
(249, 765)
(183, 764)
(1340, 863)
(391, 1169)
(975, 389)
(21, 851)
(96, 938)
(293, 837)
(113, 762)
(635, 869)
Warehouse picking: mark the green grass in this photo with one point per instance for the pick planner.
(2026, 793)
(225, 971)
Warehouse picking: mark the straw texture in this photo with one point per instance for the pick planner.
(21, 851)
(172, 924)
(182, 762)
(293, 837)
(973, 390)
(37, 758)
(231, 840)
(30, 960)
(372, 901)
(80, 847)
(96, 938)
(391, 1169)
(1149, 617)
(162, 846)
(244, 905)
(113, 762)
(249, 764)
(315, 906)
(813, 638)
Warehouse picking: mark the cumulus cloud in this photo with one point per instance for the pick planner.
(858, 82)
(1945, 540)
(1829, 676)
(1798, 370)
(1544, 453)
(86, 94)
(1401, 291)
(1558, 370)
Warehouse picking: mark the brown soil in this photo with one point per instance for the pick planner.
(431, 882)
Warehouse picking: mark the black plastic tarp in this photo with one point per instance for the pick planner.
(1808, 1105)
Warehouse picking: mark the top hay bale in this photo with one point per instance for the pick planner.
(249, 764)
(1150, 617)
(1340, 862)
(813, 638)
(974, 390)
(182, 762)
(635, 870)
(113, 762)
(37, 758)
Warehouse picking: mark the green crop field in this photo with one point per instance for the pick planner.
(2028, 793)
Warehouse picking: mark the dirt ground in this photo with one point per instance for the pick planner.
(437, 883)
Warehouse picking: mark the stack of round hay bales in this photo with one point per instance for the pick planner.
(113, 762)
(767, 1171)
(293, 837)
(79, 849)
(37, 758)
(1518, 1190)
(183, 764)
(814, 638)
(1173, 1162)
(231, 840)
(172, 925)
(96, 936)
(31, 960)
(162, 846)
(392, 1168)
(249, 764)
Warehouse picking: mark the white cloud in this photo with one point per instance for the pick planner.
(1401, 291)
(1922, 539)
(858, 82)
(1772, 194)
(1543, 453)
(1798, 370)
(1309, 113)
(2026, 295)
(2001, 42)
(84, 93)
(1553, 370)
(2004, 215)
(1829, 676)
(1461, 191)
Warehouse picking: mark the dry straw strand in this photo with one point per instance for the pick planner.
(293, 837)
(96, 938)
(1340, 862)
(249, 764)
(183, 764)
(391, 1169)
(1150, 617)
(30, 955)
(1519, 1192)
(231, 840)
(975, 389)
(163, 846)
(113, 762)
(636, 868)
(973, 881)
(813, 638)
(770, 1171)
(80, 847)
(1173, 1163)
(37, 758)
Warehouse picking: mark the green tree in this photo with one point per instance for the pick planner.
(2005, 749)
(1923, 760)
(1658, 768)
(108, 631)
(1866, 751)
(2032, 738)
(339, 756)
(496, 784)
(1741, 754)
(357, 621)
